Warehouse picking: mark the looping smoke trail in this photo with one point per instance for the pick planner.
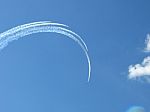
(43, 26)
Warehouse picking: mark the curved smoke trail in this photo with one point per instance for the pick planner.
(42, 26)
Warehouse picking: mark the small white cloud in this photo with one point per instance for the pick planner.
(143, 69)
(147, 42)
(139, 70)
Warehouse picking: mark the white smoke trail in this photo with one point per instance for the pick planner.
(43, 26)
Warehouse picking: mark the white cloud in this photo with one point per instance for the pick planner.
(147, 42)
(143, 69)
(139, 70)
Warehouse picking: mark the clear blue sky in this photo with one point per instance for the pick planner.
(48, 73)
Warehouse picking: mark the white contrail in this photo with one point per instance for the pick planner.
(43, 26)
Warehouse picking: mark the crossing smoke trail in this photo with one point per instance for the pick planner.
(43, 26)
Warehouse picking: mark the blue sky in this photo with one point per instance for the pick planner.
(53, 76)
